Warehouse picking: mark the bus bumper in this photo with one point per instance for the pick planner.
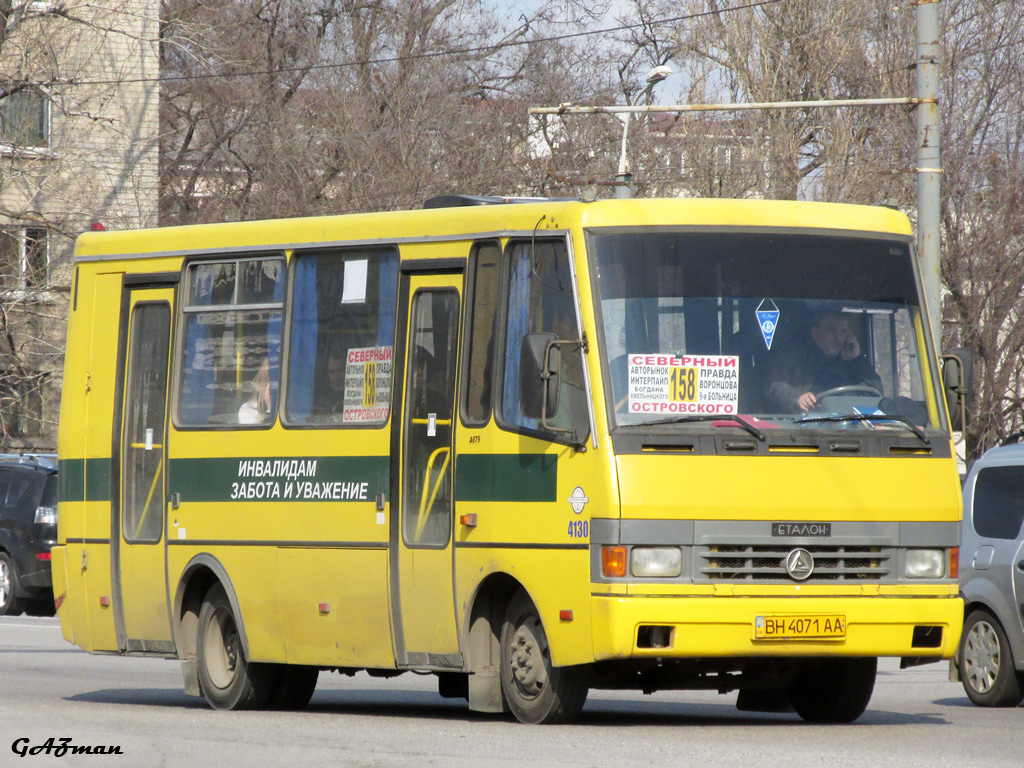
(645, 627)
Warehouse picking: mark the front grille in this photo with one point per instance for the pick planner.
(731, 562)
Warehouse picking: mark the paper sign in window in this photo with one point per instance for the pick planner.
(354, 289)
(682, 384)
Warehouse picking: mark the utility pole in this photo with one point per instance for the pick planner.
(928, 165)
(624, 179)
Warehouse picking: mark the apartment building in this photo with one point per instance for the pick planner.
(79, 116)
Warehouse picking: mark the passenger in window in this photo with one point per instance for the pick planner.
(256, 410)
(833, 359)
(337, 363)
(429, 387)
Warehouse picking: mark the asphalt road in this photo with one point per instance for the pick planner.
(51, 689)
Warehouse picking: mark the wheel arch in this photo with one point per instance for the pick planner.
(202, 572)
(9, 546)
(985, 596)
(481, 640)
(484, 619)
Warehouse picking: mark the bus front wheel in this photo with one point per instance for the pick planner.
(227, 678)
(833, 690)
(535, 691)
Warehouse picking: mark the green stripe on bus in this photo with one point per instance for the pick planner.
(84, 479)
(506, 477)
(285, 478)
(479, 477)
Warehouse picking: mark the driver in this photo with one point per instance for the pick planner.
(833, 360)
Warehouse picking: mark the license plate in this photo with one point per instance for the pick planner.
(790, 627)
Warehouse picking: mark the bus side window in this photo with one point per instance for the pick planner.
(342, 337)
(232, 342)
(540, 300)
(482, 306)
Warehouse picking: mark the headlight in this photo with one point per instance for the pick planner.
(657, 561)
(925, 563)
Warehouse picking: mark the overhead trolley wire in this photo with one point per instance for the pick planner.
(494, 47)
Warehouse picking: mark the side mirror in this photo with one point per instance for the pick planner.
(957, 372)
(539, 371)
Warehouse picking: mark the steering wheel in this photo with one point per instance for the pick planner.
(849, 389)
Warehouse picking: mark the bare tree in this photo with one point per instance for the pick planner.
(289, 109)
(807, 51)
(982, 223)
(771, 51)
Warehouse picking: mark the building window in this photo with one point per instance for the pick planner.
(25, 119)
(24, 258)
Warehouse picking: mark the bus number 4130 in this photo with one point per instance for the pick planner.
(579, 529)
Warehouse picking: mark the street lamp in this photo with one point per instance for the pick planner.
(623, 189)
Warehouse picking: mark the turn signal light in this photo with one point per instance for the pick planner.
(613, 562)
(954, 562)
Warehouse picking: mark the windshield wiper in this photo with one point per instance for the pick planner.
(870, 417)
(716, 417)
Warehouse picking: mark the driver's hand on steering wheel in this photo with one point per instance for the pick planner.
(807, 401)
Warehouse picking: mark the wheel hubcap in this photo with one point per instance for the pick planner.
(221, 648)
(528, 658)
(5, 583)
(982, 657)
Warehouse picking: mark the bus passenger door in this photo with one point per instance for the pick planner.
(139, 568)
(423, 601)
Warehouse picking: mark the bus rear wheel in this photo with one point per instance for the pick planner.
(833, 690)
(295, 686)
(227, 678)
(535, 690)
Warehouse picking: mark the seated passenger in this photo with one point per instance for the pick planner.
(337, 362)
(256, 410)
(833, 360)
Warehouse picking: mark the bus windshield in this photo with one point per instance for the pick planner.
(789, 330)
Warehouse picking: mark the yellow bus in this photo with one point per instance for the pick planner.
(532, 447)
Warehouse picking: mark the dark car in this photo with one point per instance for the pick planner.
(28, 528)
